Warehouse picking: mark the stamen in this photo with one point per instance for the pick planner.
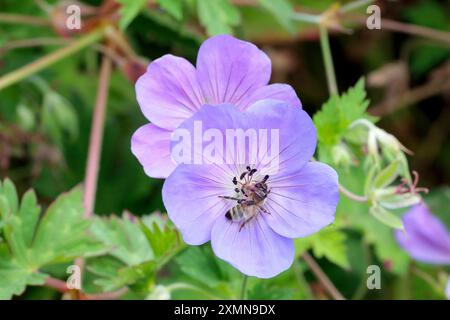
(243, 175)
(234, 181)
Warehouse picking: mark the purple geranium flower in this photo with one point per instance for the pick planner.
(228, 70)
(425, 237)
(285, 199)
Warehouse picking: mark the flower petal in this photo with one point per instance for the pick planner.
(292, 147)
(425, 237)
(228, 69)
(256, 250)
(297, 135)
(276, 91)
(168, 92)
(304, 201)
(151, 145)
(191, 197)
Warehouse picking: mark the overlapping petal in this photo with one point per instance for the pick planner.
(169, 92)
(229, 71)
(151, 146)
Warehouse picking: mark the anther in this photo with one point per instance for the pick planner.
(243, 175)
(236, 190)
(234, 181)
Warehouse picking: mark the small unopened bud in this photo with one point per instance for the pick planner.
(341, 155)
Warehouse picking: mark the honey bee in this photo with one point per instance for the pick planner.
(250, 197)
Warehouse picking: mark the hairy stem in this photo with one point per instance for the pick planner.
(328, 60)
(95, 142)
(322, 277)
(351, 195)
(44, 62)
(57, 284)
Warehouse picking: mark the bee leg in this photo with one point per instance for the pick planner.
(229, 198)
(245, 222)
(264, 210)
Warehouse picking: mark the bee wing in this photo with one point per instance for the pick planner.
(250, 211)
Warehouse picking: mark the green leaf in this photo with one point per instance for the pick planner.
(333, 120)
(282, 11)
(173, 7)
(386, 217)
(124, 238)
(14, 278)
(129, 11)
(30, 244)
(9, 191)
(137, 249)
(265, 291)
(386, 176)
(218, 16)
(62, 232)
(58, 117)
(328, 243)
(200, 264)
(163, 239)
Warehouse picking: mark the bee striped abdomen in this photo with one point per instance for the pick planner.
(236, 213)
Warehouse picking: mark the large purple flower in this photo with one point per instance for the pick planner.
(284, 199)
(228, 70)
(425, 237)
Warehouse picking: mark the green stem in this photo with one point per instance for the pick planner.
(328, 60)
(11, 18)
(44, 62)
(306, 17)
(355, 5)
(243, 288)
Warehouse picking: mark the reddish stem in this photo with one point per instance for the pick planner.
(95, 143)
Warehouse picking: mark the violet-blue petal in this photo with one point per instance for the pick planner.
(191, 197)
(297, 134)
(276, 91)
(255, 250)
(168, 92)
(304, 201)
(425, 237)
(151, 146)
(229, 69)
